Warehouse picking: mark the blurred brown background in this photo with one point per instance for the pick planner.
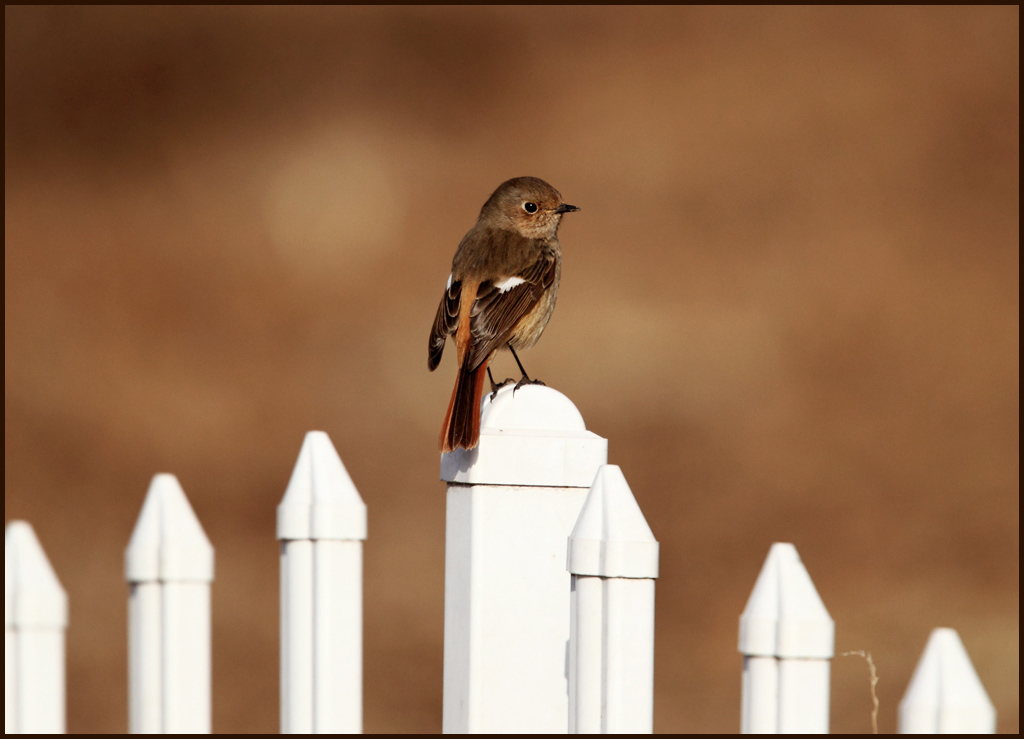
(790, 302)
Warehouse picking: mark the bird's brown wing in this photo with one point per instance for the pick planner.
(496, 313)
(445, 322)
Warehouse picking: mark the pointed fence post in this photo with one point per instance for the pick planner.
(35, 618)
(945, 695)
(787, 639)
(613, 560)
(169, 568)
(512, 503)
(321, 523)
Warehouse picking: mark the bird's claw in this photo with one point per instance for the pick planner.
(525, 381)
(495, 387)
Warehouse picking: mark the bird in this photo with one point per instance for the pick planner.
(500, 295)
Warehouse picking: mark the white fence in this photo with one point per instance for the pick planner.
(549, 604)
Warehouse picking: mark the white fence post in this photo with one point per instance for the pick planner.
(512, 503)
(169, 568)
(945, 695)
(321, 523)
(613, 560)
(35, 617)
(787, 639)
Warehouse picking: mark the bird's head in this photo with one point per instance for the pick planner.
(528, 206)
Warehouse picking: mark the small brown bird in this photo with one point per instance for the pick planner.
(500, 294)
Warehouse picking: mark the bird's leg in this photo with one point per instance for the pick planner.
(495, 387)
(525, 380)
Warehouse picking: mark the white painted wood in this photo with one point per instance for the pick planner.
(145, 658)
(186, 659)
(803, 696)
(512, 503)
(338, 635)
(169, 568)
(35, 619)
(629, 650)
(945, 695)
(613, 559)
(760, 707)
(297, 637)
(787, 639)
(321, 523)
(11, 692)
(586, 656)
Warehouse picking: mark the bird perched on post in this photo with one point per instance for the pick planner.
(500, 294)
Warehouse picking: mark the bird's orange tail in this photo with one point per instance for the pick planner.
(462, 423)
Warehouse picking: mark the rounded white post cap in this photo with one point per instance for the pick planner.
(531, 436)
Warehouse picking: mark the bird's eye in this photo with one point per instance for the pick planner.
(530, 207)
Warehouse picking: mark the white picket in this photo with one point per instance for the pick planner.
(35, 619)
(169, 568)
(321, 523)
(945, 695)
(787, 639)
(613, 560)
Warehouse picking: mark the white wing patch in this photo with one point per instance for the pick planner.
(508, 284)
(449, 285)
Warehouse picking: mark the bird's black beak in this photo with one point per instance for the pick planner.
(565, 208)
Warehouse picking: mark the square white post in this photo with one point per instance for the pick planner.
(787, 639)
(613, 559)
(169, 568)
(321, 523)
(512, 503)
(35, 618)
(945, 695)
